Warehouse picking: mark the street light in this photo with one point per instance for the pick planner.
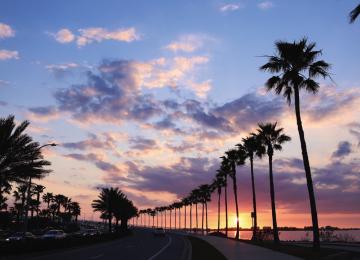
(29, 189)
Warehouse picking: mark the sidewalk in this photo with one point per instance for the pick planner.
(235, 250)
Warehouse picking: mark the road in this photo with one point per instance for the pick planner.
(140, 246)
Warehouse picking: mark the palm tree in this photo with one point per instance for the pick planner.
(224, 171)
(272, 139)
(204, 197)
(19, 155)
(297, 67)
(38, 189)
(185, 202)
(47, 198)
(106, 203)
(251, 146)
(234, 158)
(20, 194)
(195, 198)
(74, 209)
(354, 13)
(218, 184)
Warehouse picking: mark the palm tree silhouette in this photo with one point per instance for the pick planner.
(38, 189)
(19, 155)
(297, 67)
(48, 198)
(224, 171)
(105, 203)
(354, 13)
(251, 146)
(272, 139)
(234, 158)
(218, 184)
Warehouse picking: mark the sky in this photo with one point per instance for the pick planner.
(147, 95)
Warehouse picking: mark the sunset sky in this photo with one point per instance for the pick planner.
(147, 95)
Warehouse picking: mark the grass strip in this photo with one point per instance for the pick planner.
(203, 250)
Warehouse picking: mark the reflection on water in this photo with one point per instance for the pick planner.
(300, 235)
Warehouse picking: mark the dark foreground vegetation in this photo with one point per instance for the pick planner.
(203, 250)
(37, 245)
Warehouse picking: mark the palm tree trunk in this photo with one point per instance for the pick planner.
(218, 228)
(170, 219)
(206, 218)
(314, 217)
(27, 205)
(165, 219)
(254, 198)
(196, 212)
(273, 208)
(179, 218)
(226, 208)
(236, 202)
(175, 218)
(185, 219)
(202, 218)
(110, 217)
(190, 217)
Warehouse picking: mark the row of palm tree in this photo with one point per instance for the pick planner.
(114, 204)
(268, 139)
(53, 204)
(296, 67)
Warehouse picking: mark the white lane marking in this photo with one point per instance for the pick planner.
(162, 249)
(96, 256)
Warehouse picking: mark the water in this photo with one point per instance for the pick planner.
(300, 235)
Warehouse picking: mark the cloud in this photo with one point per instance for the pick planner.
(99, 34)
(230, 7)
(64, 36)
(178, 178)
(7, 54)
(343, 149)
(96, 159)
(6, 31)
(43, 113)
(265, 5)
(4, 83)
(141, 143)
(96, 34)
(103, 141)
(187, 43)
(115, 93)
(60, 70)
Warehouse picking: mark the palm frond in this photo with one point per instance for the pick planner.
(354, 14)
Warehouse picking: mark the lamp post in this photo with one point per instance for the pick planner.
(29, 190)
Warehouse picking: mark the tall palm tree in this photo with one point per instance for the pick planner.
(354, 13)
(218, 184)
(251, 146)
(19, 155)
(195, 198)
(38, 189)
(204, 197)
(297, 67)
(234, 158)
(185, 202)
(224, 171)
(20, 194)
(47, 198)
(75, 209)
(106, 203)
(272, 139)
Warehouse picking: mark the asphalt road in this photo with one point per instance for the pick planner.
(141, 246)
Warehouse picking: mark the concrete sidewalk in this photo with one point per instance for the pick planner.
(232, 250)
